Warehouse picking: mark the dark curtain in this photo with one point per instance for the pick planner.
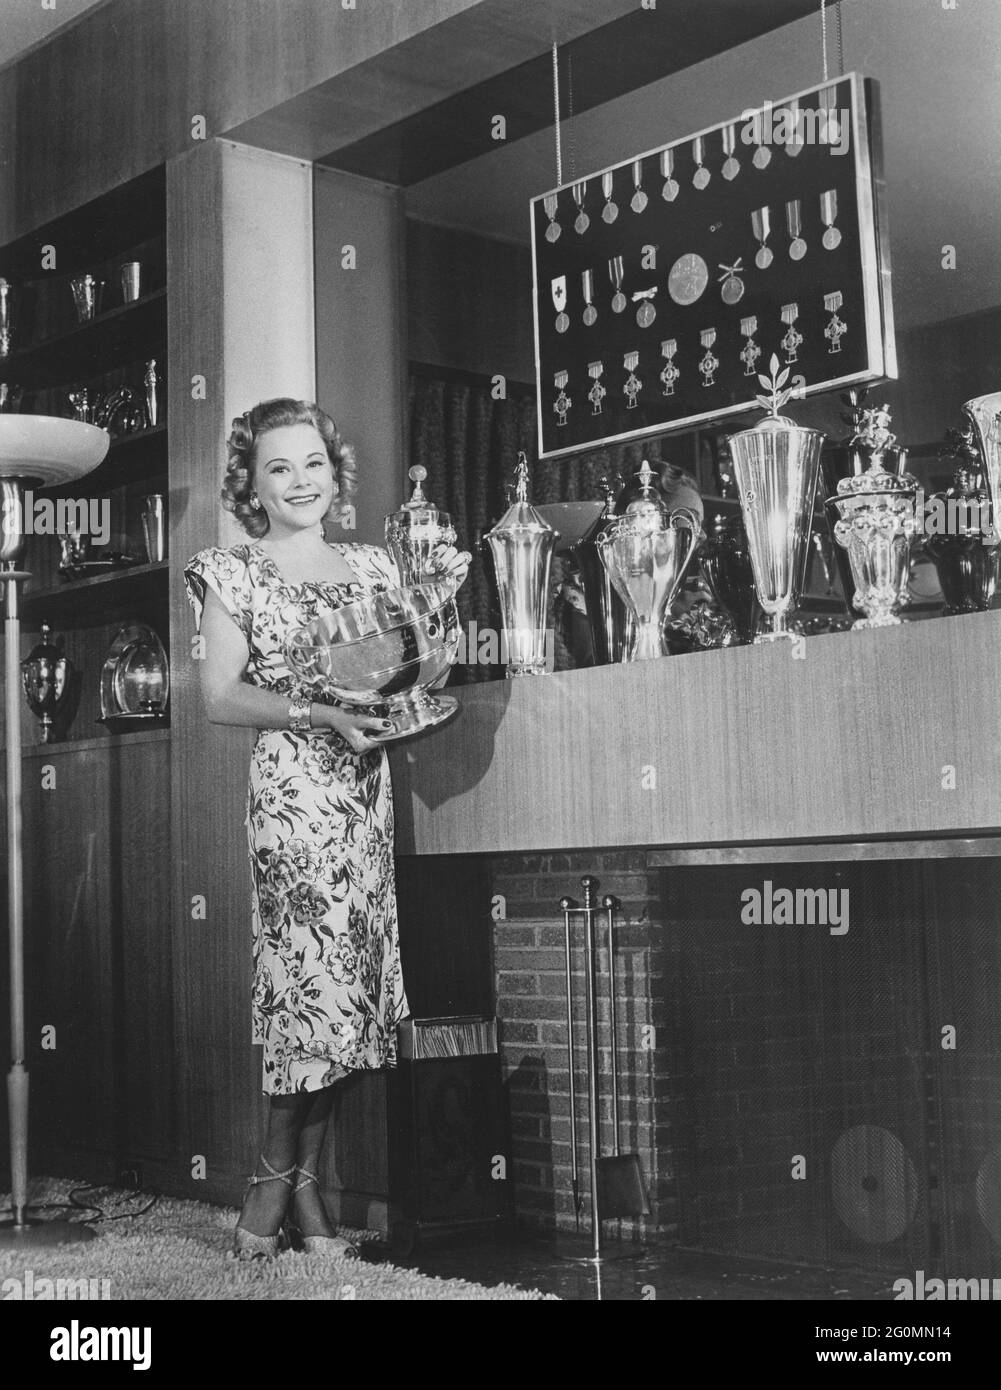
(469, 444)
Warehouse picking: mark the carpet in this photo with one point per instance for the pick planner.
(178, 1250)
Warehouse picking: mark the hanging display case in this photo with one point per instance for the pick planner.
(662, 283)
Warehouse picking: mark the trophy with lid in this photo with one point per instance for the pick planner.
(415, 531)
(646, 552)
(521, 545)
(877, 523)
(607, 615)
(776, 465)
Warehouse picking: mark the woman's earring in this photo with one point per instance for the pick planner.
(255, 502)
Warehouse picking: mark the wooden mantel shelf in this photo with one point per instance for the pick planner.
(853, 740)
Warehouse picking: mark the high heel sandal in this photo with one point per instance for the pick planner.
(317, 1245)
(247, 1245)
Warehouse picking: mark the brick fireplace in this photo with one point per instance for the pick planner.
(791, 1090)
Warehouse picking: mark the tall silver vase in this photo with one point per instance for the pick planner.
(522, 545)
(776, 465)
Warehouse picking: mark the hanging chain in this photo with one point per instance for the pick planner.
(823, 36)
(556, 117)
(841, 40)
(573, 133)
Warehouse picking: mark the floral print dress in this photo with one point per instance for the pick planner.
(328, 987)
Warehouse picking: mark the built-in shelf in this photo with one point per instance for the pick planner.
(132, 458)
(104, 598)
(109, 340)
(84, 745)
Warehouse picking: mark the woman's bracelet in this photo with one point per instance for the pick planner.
(300, 715)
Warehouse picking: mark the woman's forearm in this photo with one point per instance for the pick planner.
(249, 707)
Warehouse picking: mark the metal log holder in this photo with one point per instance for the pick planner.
(617, 1186)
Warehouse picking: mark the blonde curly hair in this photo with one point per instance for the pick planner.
(238, 486)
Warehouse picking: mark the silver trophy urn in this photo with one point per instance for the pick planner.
(877, 523)
(776, 465)
(522, 545)
(46, 675)
(415, 532)
(646, 552)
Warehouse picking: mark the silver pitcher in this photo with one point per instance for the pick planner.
(522, 545)
(646, 552)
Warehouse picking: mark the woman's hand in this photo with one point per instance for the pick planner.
(352, 726)
(452, 564)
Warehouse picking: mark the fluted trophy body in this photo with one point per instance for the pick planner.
(522, 545)
(776, 466)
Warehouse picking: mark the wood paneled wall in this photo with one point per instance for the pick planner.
(841, 737)
(117, 93)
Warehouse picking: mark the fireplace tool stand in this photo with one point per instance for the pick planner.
(617, 1187)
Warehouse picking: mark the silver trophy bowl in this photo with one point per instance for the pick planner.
(383, 652)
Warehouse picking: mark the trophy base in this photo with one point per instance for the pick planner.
(783, 635)
(415, 712)
(883, 620)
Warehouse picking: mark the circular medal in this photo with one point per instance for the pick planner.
(764, 258)
(639, 200)
(733, 290)
(762, 157)
(590, 316)
(618, 302)
(582, 223)
(831, 239)
(731, 168)
(670, 190)
(797, 249)
(562, 322)
(701, 177)
(646, 314)
(688, 279)
(553, 231)
(609, 213)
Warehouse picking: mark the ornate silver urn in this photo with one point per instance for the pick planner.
(877, 523)
(46, 675)
(646, 552)
(415, 531)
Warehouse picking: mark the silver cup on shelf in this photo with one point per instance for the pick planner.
(87, 295)
(7, 302)
(154, 519)
(130, 280)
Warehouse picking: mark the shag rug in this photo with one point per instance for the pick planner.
(179, 1250)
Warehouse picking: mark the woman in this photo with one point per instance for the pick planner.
(328, 991)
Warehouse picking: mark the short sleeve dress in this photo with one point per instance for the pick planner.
(328, 987)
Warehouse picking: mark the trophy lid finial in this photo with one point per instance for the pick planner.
(646, 476)
(521, 478)
(417, 474)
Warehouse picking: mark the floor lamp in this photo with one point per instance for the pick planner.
(35, 451)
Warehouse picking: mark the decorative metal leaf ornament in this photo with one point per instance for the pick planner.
(773, 384)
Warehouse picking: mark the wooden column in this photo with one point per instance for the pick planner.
(239, 237)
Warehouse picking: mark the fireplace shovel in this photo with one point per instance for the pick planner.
(621, 1186)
